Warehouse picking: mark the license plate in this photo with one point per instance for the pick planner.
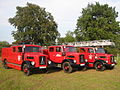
(82, 64)
(42, 67)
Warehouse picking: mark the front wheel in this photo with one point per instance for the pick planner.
(99, 66)
(26, 70)
(67, 68)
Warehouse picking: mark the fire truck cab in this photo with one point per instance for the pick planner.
(24, 57)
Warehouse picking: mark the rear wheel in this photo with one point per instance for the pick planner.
(67, 68)
(26, 70)
(5, 64)
(99, 66)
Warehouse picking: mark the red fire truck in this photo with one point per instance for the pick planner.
(97, 58)
(65, 56)
(24, 57)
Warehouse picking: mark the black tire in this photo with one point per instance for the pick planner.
(111, 67)
(5, 64)
(26, 70)
(99, 66)
(67, 68)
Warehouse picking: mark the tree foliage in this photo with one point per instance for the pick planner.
(68, 38)
(97, 22)
(34, 23)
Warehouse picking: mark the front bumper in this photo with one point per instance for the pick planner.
(78, 65)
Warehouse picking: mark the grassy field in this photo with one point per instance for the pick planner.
(11, 79)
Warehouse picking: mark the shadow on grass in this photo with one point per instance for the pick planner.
(48, 71)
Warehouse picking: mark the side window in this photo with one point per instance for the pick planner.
(58, 49)
(14, 49)
(19, 49)
(82, 50)
(90, 50)
(51, 49)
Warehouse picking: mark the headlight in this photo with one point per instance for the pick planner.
(106, 61)
(74, 61)
(49, 62)
(33, 63)
(96, 57)
(115, 60)
(86, 60)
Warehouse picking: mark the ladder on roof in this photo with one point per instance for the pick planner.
(92, 43)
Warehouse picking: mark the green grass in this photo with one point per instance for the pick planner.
(11, 79)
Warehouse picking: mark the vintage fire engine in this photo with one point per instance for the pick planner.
(65, 56)
(97, 58)
(24, 57)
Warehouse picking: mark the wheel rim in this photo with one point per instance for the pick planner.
(25, 70)
(99, 66)
(66, 67)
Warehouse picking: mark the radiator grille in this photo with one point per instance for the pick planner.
(82, 58)
(112, 59)
(42, 60)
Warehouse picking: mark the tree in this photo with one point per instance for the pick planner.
(97, 22)
(69, 37)
(34, 23)
(61, 40)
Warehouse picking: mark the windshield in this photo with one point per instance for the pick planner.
(70, 49)
(100, 50)
(32, 49)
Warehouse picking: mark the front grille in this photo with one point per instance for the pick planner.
(112, 59)
(82, 58)
(42, 60)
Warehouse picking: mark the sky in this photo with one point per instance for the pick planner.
(65, 13)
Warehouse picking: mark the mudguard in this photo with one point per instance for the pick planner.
(70, 61)
(102, 61)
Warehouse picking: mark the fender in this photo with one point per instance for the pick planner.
(70, 61)
(102, 61)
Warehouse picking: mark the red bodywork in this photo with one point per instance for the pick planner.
(59, 54)
(16, 56)
(92, 56)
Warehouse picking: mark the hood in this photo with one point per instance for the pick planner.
(34, 54)
(73, 54)
(103, 54)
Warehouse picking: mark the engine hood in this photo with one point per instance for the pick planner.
(34, 54)
(103, 54)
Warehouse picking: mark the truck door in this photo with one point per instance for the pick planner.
(56, 54)
(51, 52)
(91, 55)
(19, 55)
